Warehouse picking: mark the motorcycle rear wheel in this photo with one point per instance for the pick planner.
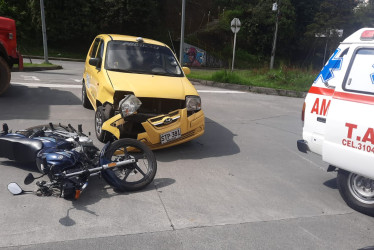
(135, 176)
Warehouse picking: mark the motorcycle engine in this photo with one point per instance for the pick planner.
(72, 187)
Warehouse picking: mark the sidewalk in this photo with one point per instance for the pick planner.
(259, 90)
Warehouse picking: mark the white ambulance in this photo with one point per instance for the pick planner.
(338, 115)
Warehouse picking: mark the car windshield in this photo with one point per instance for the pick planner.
(141, 58)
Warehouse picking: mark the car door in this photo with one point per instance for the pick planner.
(91, 71)
(349, 140)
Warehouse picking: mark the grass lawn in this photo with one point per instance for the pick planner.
(283, 78)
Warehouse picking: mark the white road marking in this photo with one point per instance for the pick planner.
(76, 80)
(47, 85)
(221, 91)
(30, 78)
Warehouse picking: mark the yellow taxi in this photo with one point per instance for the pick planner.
(138, 90)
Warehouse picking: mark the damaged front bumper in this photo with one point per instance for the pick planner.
(186, 127)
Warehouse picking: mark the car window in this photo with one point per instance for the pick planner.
(141, 58)
(101, 50)
(94, 47)
(360, 77)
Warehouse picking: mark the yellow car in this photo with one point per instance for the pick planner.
(139, 90)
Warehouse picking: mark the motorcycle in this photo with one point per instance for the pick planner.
(69, 158)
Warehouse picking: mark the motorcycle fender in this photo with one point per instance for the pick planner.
(110, 177)
(108, 174)
(111, 125)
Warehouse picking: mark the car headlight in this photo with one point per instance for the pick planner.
(193, 103)
(129, 105)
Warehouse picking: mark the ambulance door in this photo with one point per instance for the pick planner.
(318, 100)
(349, 140)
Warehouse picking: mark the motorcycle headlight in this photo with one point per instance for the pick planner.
(193, 103)
(129, 105)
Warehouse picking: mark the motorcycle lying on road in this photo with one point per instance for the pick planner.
(68, 157)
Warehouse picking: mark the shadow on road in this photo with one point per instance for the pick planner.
(21, 102)
(331, 183)
(30, 167)
(98, 190)
(217, 141)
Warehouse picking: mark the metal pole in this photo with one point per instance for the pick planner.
(182, 33)
(233, 53)
(45, 47)
(324, 55)
(275, 38)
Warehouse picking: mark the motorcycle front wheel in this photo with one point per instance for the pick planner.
(134, 176)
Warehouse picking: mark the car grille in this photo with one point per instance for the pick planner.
(165, 120)
(158, 106)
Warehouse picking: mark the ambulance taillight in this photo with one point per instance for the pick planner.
(367, 35)
(303, 112)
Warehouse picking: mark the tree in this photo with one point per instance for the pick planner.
(363, 15)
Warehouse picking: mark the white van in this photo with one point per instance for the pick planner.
(338, 115)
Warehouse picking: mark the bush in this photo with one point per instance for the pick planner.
(226, 76)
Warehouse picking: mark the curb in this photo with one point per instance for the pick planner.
(258, 90)
(37, 68)
(54, 58)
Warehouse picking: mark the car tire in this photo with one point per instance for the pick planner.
(4, 75)
(356, 192)
(85, 101)
(100, 118)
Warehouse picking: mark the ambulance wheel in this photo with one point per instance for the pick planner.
(357, 191)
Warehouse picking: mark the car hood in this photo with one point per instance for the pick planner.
(144, 85)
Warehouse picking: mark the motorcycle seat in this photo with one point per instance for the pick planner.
(19, 148)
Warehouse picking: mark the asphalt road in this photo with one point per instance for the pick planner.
(242, 185)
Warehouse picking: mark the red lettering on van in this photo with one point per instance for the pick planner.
(324, 107)
(350, 127)
(315, 106)
(369, 136)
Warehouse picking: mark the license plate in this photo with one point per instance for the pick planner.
(170, 136)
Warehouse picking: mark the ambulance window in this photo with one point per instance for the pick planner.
(361, 73)
(344, 53)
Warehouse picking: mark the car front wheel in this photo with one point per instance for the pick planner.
(85, 102)
(357, 191)
(101, 135)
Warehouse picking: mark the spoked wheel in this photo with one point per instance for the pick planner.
(357, 191)
(134, 176)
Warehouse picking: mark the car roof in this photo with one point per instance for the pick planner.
(117, 37)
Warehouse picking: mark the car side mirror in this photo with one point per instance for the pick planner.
(186, 70)
(95, 62)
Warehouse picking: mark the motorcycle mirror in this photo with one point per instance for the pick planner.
(14, 188)
(29, 179)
